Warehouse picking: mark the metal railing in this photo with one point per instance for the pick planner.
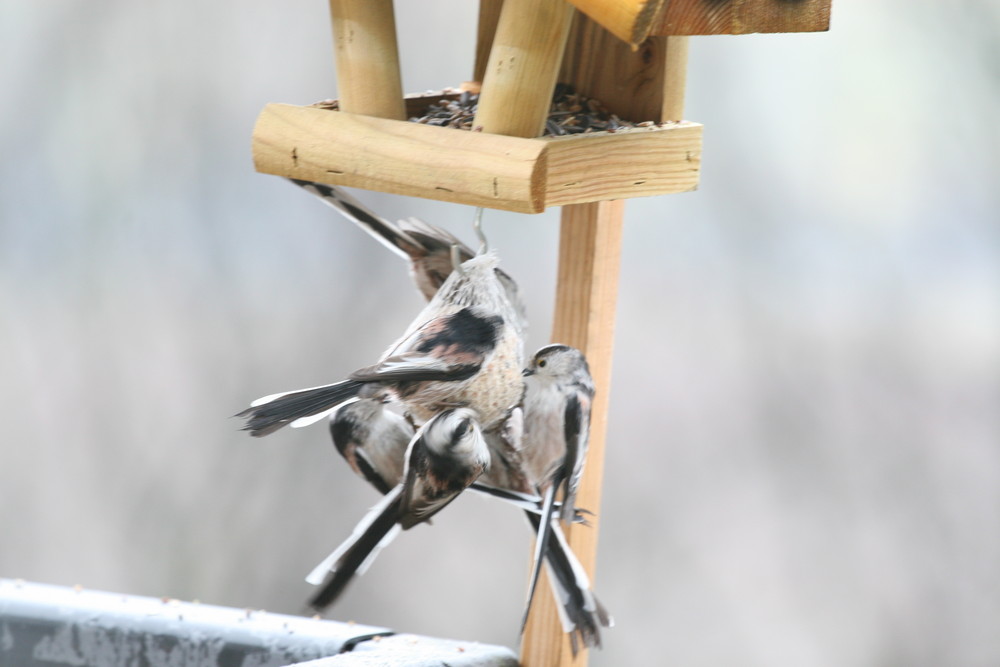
(42, 624)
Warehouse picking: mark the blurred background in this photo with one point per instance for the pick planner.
(803, 462)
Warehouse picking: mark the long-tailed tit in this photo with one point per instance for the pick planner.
(427, 247)
(558, 395)
(445, 456)
(463, 349)
(373, 440)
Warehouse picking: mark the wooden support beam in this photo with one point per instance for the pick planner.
(521, 72)
(738, 17)
(367, 58)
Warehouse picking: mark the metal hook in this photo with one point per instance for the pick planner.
(456, 260)
(477, 224)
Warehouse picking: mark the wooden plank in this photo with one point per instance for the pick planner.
(475, 168)
(629, 20)
(739, 17)
(637, 162)
(524, 62)
(367, 57)
(399, 157)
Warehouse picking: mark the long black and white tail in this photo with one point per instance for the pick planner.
(581, 613)
(269, 413)
(543, 537)
(372, 533)
(383, 231)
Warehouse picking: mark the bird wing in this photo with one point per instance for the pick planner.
(357, 552)
(434, 239)
(424, 494)
(451, 346)
(576, 430)
(383, 231)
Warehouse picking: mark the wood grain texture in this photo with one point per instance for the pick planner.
(739, 17)
(367, 57)
(629, 20)
(523, 64)
(628, 82)
(475, 168)
(674, 77)
(486, 29)
(399, 157)
(631, 163)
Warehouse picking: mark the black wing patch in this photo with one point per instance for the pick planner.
(465, 333)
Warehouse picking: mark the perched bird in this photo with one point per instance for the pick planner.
(557, 400)
(536, 448)
(427, 247)
(445, 456)
(463, 349)
(373, 439)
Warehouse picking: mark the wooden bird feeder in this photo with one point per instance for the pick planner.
(629, 54)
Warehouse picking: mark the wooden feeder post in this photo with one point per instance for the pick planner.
(367, 62)
(522, 68)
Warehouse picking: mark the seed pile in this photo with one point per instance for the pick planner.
(570, 113)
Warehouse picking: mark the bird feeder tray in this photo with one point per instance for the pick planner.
(318, 143)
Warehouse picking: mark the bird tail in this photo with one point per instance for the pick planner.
(581, 613)
(269, 413)
(527, 501)
(357, 552)
(543, 533)
(383, 231)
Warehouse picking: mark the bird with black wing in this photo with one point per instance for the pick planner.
(445, 456)
(462, 350)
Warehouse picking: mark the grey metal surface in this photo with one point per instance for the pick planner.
(55, 625)
(42, 624)
(416, 651)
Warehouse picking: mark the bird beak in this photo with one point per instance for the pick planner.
(527, 371)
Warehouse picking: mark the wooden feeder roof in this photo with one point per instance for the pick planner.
(632, 21)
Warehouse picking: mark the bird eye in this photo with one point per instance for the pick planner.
(541, 363)
(462, 428)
